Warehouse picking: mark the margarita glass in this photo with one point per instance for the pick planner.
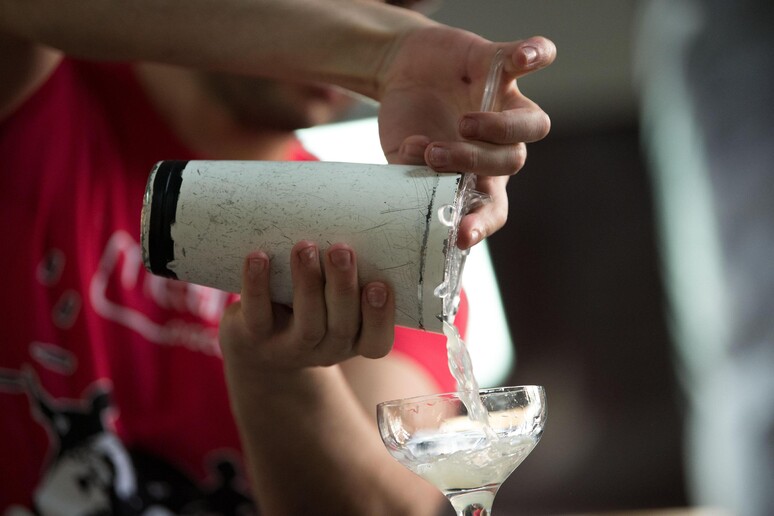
(465, 459)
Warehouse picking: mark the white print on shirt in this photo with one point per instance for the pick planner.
(53, 357)
(121, 265)
(88, 470)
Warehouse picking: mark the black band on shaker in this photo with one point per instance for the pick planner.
(166, 191)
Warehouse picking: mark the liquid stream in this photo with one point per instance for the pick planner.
(461, 368)
(458, 358)
(460, 364)
(472, 456)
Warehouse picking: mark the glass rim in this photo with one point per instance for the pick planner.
(455, 395)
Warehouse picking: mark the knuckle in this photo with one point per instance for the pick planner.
(226, 333)
(518, 157)
(508, 131)
(346, 289)
(472, 158)
(543, 125)
(231, 328)
(231, 311)
(376, 352)
(343, 337)
(309, 288)
(311, 336)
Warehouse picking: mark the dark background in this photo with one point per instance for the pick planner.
(578, 271)
(579, 275)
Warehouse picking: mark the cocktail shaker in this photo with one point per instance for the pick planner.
(200, 219)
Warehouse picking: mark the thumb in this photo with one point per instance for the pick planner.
(526, 56)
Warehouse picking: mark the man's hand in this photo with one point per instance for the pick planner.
(290, 412)
(431, 95)
(332, 318)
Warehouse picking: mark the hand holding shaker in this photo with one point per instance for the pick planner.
(200, 219)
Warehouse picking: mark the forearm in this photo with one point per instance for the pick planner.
(343, 42)
(313, 450)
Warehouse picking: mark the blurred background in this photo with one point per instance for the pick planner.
(578, 269)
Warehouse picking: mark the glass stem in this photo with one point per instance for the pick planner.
(473, 510)
(473, 503)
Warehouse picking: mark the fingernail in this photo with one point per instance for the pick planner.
(341, 258)
(469, 127)
(530, 54)
(376, 295)
(475, 237)
(255, 266)
(308, 255)
(439, 156)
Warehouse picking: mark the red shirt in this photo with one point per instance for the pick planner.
(110, 376)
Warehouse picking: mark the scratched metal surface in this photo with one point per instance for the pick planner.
(388, 213)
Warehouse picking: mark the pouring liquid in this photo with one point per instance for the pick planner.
(461, 368)
(459, 361)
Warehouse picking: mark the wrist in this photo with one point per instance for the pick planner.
(364, 55)
(263, 389)
(410, 23)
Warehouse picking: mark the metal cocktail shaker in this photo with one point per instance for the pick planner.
(200, 219)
